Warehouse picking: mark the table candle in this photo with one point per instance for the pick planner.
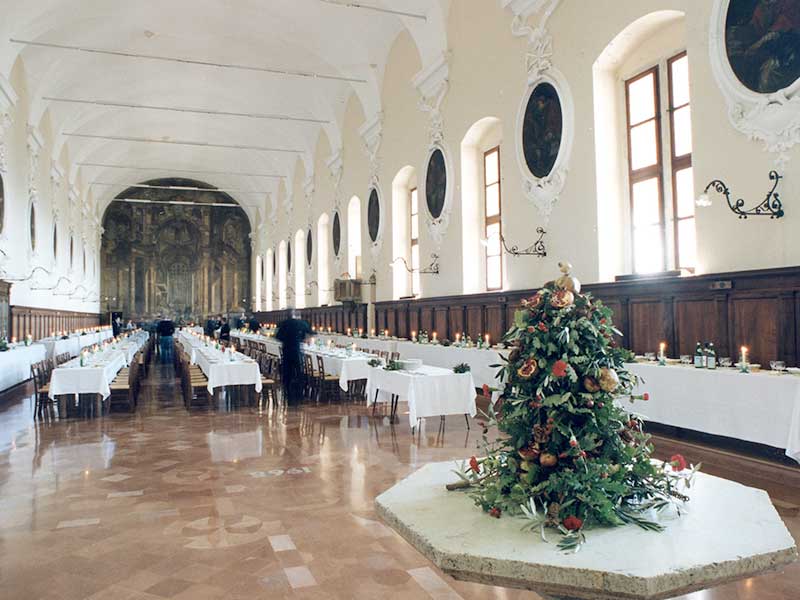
(743, 356)
(372, 333)
(661, 347)
(360, 332)
(349, 331)
(13, 340)
(487, 340)
(413, 336)
(458, 337)
(386, 333)
(434, 336)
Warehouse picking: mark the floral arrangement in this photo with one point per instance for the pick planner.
(461, 368)
(393, 365)
(569, 457)
(374, 362)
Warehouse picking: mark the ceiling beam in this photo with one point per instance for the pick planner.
(122, 138)
(176, 188)
(380, 9)
(188, 61)
(188, 171)
(198, 111)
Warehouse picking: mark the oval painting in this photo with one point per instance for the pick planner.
(289, 256)
(2, 203)
(337, 234)
(309, 247)
(274, 263)
(542, 130)
(436, 183)
(373, 215)
(762, 41)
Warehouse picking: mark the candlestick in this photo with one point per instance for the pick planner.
(662, 357)
(743, 367)
(487, 340)
(458, 337)
(386, 333)
(413, 336)
(434, 336)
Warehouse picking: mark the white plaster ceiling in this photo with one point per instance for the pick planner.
(296, 35)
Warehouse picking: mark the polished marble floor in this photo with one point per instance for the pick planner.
(232, 503)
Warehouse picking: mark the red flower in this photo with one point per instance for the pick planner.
(678, 462)
(645, 396)
(573, 523)
(486, 391)
(531, 329)
(473, 464)
(543, 327)
(495, 512)
(559, 368)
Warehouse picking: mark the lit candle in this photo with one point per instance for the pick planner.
(434, 336)
(487, 339)
(13, 340)
(413, 336)
(329, 329)
(661, 347)
(52, 334)
(743, 357)
(386, 333)
(372, 333)
(349, 331)
(360, 331)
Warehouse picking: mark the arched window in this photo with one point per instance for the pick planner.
(481, 206)
(354, 237)
(300, 269)
(33, 226)
(270, 263)
(323, 259)
(2, 203)
(645, 195)
(282, 275)
(259, 274)
(405, 214)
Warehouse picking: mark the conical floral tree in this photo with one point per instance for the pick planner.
(569, 455)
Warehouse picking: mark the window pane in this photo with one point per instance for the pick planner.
(644, 147)
(648, 252)
(414, 202)
(687, 243)
(491, 164)
(680, 81)
(645, 203)
(415, 284)
(684, 193)
(415, 227)
(493, 238)
(415, 256)
(493, 200)
(641, 99)
(494, 273)
(682, 124)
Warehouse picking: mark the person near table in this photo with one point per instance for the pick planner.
(225, 331)
(254, 325)
(165, 330)
(211, 326)
(116, 326)
(291, 333)
(129, 326)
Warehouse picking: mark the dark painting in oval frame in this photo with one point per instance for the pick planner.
(289, 256)
(762, 43)
(337, 234)
(274, 263)
(309, 247)
(542, 130)
(436, 183)
(373, 215)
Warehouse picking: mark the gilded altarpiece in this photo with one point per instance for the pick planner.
(178, 261)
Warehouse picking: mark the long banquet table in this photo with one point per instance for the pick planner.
(221, 371)
(429, 391)
(761, 407)
(72, 379)
(348, 367)
(74, 342)
(15, 364)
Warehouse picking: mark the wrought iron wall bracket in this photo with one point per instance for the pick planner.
(431, 269)
(771, 205)
(536, 249)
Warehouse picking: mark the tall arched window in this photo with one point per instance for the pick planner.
(404, 186)
(300, 269)
(259, 273)
(282, 275)
(354, 237)
(481, 206)
(269, 279)
(33, 226)
(323, 259)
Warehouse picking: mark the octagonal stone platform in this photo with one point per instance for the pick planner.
(730, 532)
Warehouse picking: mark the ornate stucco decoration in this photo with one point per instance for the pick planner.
(8, 98)
(542, 192)
(56, 176)
(773, 119)
(336, 166)
(35, 145)
(432, 83)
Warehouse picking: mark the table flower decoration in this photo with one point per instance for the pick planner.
(569, 456)
(393, 365)
(461, 368)
(375, 362)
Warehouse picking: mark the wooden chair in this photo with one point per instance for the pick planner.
(62, 358)
(312, 377)
(194, 384)
(41, 387)
(268, 382)
(328, 384)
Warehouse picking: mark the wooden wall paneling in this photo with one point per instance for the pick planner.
(390, 322)
(475, 320)
(696, 321)
(426, 319)
(787, 329)
(413, 321)
(455, 321)
(402, 328)
(440, 322)
(39, 322)
(649, 325)
(755, 325)
(495, 320)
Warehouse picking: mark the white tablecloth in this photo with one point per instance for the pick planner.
(71, 378)
(56, 346)
(757, 407)
(15, 364)
(221, 372)
(429, 391)
(348, 368)
(385, 345)
(131, 345)
(448, 357)
(273, 346)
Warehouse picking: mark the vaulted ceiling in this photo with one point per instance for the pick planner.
(286, 68)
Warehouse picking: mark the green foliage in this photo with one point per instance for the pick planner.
(565, 446)
(461, 368)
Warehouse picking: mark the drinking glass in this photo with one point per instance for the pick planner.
(725, 361)
(650, 356)
(777, 365)
(686, 359)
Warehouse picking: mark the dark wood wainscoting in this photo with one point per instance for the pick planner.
(40, 322)
(758, 309)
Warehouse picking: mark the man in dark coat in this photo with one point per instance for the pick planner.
(254, 325)
(165, 330)
(291, 333)
(225, 331)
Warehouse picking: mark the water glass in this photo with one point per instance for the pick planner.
(777, 365)
(650, 356)
(686, 359)
(725, 361)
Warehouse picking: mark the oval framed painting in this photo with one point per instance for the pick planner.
(336, 234)
(309, 246)
(762, 43)
(373, 215)
(33, 226)
(289, 255)
(542, 130)
(274, 263)
(2, 203)
(55, 241)
(436, 183)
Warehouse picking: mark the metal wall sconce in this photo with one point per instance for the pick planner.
(10, 278)
(771, 205)
(536, 249)
(431, 269)
(52, 287)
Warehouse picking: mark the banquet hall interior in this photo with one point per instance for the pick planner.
(275, 275)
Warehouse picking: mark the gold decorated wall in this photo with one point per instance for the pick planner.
(180, 261)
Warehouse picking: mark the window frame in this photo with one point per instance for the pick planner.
(416, 284)
(678, 163)
(493, 220)
(655, 170)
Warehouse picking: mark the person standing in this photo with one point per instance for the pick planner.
(254, 325)
(291, 333)
(165, 330)
(225, 331)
